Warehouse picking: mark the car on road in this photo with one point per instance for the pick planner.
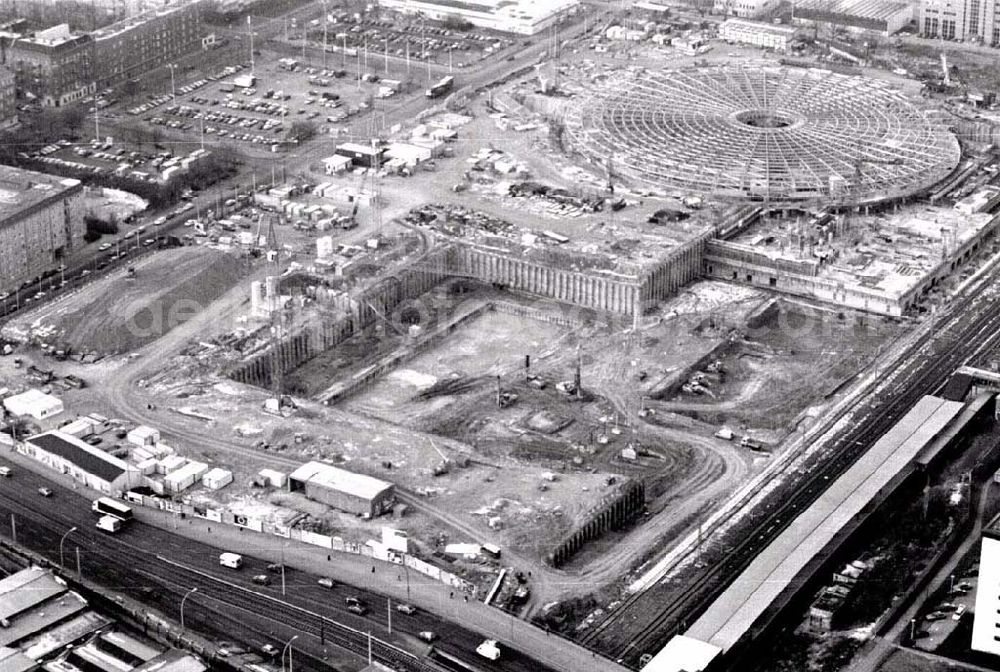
(274, 567)
(159, 221)
(93, 439)
(407, 609)
(326, 582)
(148, 242)
(958, 612)
(936, 616)
(44, 492)
(269, 650)
(104, 246)
(353, 600)
(489, 649)
(357, 609)
(5, 472)
(84, 273)
(427, 635)
(262, 579)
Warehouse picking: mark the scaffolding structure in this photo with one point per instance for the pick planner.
(763, 132)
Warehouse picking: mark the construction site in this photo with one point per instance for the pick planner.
(573, 348)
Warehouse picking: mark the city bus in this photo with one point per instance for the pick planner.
(112, 507)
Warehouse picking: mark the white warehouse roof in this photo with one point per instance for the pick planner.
(190, 470)
(683, 654)
(35, 403)
(327, 476)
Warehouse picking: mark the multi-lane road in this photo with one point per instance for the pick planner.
(157, 565)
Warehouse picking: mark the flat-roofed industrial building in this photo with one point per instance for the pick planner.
(523, 17)
(879, 16)
(84, 463)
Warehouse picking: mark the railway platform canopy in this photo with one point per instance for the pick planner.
(742, 607)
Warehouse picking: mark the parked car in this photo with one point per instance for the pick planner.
(427, 635)
(357, 609)
(269, 650)
(262, 579)
(44, 492)
(274, 567)
(326, 582)
(407, 609)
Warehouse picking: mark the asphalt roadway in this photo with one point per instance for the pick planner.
(184, 552)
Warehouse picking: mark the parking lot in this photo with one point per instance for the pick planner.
(401, 34)
(225, 109)
(944, 615)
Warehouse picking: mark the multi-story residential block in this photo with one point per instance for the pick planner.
(41, 222)
(144, 42)
(53, 66)
(57, 67)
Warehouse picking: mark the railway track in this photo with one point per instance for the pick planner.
(950, 347)
(178, 579)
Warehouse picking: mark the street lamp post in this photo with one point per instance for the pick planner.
(288, 648)
(183, 599)
(61, 542)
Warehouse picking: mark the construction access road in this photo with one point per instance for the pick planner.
(170, 555)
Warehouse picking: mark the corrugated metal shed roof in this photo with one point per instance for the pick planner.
(729, 618)
(25, 589)
(683, 654)
(328, 476)
(12, 660)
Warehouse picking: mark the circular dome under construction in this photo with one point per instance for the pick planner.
(763, 132)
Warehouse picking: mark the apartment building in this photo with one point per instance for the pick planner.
(145, 42)
(57, 67)
(53, 66)
(41, 222)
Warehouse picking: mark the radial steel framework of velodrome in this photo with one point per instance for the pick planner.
(763, 132)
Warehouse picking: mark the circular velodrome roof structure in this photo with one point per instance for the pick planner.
(763, 132)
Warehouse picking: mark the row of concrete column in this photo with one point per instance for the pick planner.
(591, 291)
(373, 304)
(682, 266)
(286, 355)
(611, 515)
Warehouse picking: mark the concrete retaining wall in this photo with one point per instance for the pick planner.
(611, 514)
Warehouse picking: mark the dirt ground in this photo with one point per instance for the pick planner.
(816, 352)
(118, 315)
